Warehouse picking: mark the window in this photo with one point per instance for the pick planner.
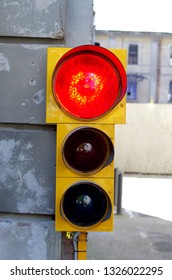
(133, 54)
(132, 90)
(170, 87)
(170, 92)
(171, 55)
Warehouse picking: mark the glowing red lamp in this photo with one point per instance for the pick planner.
(88, 81)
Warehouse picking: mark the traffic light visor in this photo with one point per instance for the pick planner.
(88, 81)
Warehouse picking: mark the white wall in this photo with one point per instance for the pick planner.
(144, 144)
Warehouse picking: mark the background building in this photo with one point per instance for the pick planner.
(144, 144)
(149, 68)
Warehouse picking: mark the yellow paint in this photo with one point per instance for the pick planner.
(82, 246)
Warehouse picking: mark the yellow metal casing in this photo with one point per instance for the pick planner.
(65, 178)
(82, 246)
(54, 113)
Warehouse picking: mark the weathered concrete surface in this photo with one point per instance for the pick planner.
(28, 238)
(27, 169)
(44, 19)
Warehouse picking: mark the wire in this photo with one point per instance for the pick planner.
(75, 244)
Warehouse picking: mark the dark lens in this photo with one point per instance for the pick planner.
(85, 204)
(87, 150)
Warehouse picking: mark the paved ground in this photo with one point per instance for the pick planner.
(136, 236)
(139, 236)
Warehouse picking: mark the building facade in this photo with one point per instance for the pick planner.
(149, 68)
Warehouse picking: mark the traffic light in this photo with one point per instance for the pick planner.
(86, 89)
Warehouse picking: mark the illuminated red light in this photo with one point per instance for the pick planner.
(88, 81)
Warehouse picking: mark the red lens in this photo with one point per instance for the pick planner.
(88, 81)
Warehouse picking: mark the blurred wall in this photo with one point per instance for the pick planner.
(144, 144)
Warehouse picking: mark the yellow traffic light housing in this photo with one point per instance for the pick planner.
(85, 97)
(84, 172)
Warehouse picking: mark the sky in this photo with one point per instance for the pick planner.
(134, 15)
